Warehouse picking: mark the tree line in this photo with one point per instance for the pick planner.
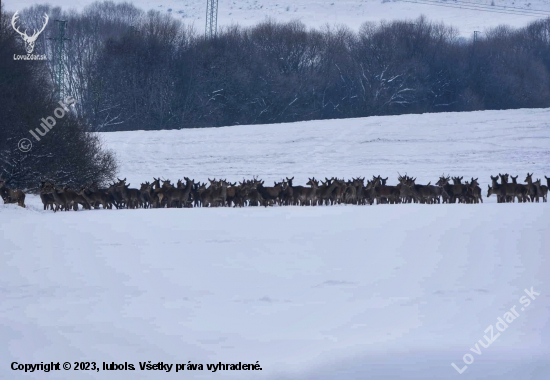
(136, 70)
(68, 152)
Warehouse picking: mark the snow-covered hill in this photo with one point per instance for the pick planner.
(466, 15)
(343, 292)
(472, 144)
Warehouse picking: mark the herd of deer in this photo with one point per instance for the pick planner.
(220, 193)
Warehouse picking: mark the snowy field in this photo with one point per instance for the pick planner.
(343, 292)
(466, 15)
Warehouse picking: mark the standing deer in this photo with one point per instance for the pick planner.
(132, 197)
(145, 191)
(542, 190)
(475, 191)
(532, 189)
(11, 196)
(446, 188)
(95, 198)
(45, 196)
(64, 198)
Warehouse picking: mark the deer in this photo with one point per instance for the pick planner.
(521, 190)
(270, 193)
(197, 192)
(509, 190)
(359, 184)
(45, 196)
(340, 191)
(78, 199)
(405, 192)
(231, 193)
(497, 190)
(96, 198)
(545, 188)
(532, 189)
(457, 190)
(115, 195)
(474, 191)
(145, 191)
(156, 193)
(368, 192)
(350, 194)
(253, 195)
(216, 194)
(287, 196)
(308, 195)
(542, 190)
(189, 184)
(295, 191)
(74, 199)
(64, 198)
(446, 188)
(325, 192)
(422, 193)
(132, 197)
(29, 40)
(59, 198)
(179, 195)
(429, 193)
(10, 195)
(383, 193)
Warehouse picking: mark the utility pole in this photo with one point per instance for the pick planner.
(59, 69)
(476, 33)
(211, 28)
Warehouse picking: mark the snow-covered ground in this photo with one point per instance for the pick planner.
(466, 15)
(469, 144)
(344, 292)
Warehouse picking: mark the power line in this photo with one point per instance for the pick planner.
(481, 8)
(503, 7)
(477, 8)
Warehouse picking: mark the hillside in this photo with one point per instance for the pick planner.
(472, 144)
(465, 15)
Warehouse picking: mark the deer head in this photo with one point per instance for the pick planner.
(29, 40)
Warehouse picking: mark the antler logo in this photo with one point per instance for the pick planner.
(29, 41)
